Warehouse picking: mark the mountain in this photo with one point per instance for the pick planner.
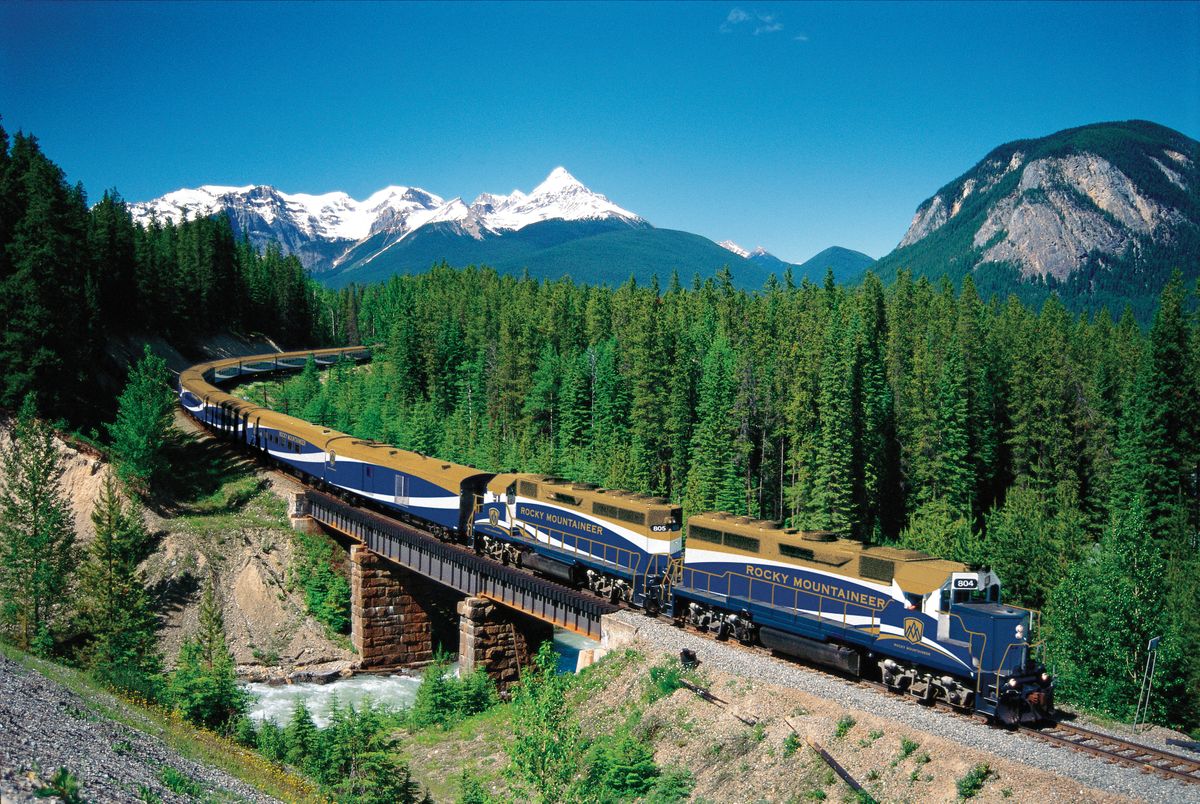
(559, 228)
(1101, 214)
(847, 265)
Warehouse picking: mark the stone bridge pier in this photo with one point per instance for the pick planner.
(497, 639)
(398, 617)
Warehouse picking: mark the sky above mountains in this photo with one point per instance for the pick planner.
(791, 126)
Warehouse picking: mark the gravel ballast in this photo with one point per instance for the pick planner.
(44, 727)
(766, 669)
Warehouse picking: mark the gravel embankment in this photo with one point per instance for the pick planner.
(44, 726)
(1014, 747)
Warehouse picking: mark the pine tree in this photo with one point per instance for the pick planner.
(37, 536)
(116, 609)
(301, 737)
(831, 507)
(204, 685)
(144, 412)
(713, 481)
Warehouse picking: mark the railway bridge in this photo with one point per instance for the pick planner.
(402, 580)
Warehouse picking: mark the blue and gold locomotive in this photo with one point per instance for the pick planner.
(928, 627)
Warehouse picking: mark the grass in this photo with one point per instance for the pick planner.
(843, 726)
(182, 737)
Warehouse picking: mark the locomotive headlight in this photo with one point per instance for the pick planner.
(1045, 677)
(1012, 682)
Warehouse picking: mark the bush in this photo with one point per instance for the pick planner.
(619, 767)
(791, 744)
(673, 785)
(843, 726)
(180, 783)
(970, 784)
(326, 591)
(665, 678)
(907, 746)
(64, 785)
(443, 700)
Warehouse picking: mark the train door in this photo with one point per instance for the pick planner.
(402, 488)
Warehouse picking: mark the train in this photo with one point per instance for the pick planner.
(924, 626)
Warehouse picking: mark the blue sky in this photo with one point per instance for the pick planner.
(792, 126)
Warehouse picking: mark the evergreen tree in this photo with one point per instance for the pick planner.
(144, 412)
(204, 685)
(713, 482)
(301, 737)
(116, 609)
(831, 507)
(37, 536)
(1029, 525)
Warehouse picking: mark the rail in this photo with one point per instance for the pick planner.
(1115, 749)
(459, 568)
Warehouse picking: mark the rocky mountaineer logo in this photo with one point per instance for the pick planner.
(914, 630)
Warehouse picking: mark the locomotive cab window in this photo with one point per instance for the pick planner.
(511, 493)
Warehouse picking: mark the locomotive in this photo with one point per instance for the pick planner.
(924, 626)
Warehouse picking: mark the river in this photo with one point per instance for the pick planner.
(276, 702)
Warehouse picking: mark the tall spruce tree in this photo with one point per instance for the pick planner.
(713, 481)
(204, 685)
(37, 536)
(116, 610)
(144, 412)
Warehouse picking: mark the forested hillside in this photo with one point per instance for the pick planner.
(1044, 445)
(72, 277)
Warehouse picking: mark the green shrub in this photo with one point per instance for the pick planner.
(180, 783)
(443, 700)
(619, 767)
(970, 784)
(843, 726)
(791, 744)
(907, 746)
(326, 591)
(674, 785)
(64, 785)
(665, 678)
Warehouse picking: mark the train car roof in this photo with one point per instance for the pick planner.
(914, 571)
(197, 380)
(584, 492)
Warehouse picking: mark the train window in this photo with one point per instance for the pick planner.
(878, 569)
(945, 599)
(604, 509)
(741, 542)
(566, 498)
(527, 489)
(704, 534)
(792, 551)
(634, 517)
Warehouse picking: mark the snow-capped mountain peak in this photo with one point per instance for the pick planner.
(729, 245)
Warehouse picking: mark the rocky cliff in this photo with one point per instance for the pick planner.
(1100, 213)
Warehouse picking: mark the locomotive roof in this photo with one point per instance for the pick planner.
(585, 492)
(914, 571)
(196, 379)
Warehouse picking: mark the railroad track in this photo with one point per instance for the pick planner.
(1119, 751)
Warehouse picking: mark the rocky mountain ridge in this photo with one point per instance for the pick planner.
(331, 230)
(1099, 213)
